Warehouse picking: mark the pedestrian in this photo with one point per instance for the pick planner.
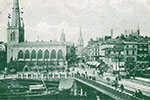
(116, 84)
(136, 93)
(140, 94)
(122, 87)
(116, 78)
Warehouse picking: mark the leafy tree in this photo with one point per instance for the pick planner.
(3, 60)
(91, 42)
(71, 57)
(18, 66)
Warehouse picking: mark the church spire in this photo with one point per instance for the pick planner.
(80, 39)
(16, 14)
(62, 37)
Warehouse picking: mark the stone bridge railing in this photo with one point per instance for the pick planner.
(44, 76)
(104, 88)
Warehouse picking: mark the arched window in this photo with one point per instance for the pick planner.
(46, 54)
(11, 37)
(60, 54)
(33, 54)
(53, 54)
(40, 54)
(27, 54)
(14, 36)
(20, 54)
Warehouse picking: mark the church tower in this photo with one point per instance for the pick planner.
(62, 37)
(80, 43)
(15, 30)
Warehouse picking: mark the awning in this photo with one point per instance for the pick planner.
(148, 68)
(93, 63)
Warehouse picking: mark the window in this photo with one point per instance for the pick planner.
(133, 46)
(112, 52)
(130, 52)
(133, 52)
(130, 59)
(122, 52)
(140, 49)
(46, 54)
(60, 54)
(14, 36)
(127, 52)
(20, 54)
(53, 54)
(27, 54)
(40, 54)
(33, 54)
(130, 46)
(145, 49)
(11, 37)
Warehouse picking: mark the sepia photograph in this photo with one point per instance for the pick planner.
(74, 49)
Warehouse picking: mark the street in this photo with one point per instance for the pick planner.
(129, 84)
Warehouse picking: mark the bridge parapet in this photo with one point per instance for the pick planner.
(104, 88)
(44, 76)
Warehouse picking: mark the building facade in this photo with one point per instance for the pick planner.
(142, 55)
(113, 54)
(20, 50)
(130, 55)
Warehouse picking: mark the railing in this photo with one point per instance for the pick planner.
(47, 76)
(106, 89)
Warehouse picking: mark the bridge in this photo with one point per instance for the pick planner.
(53, 79)
(105, 89)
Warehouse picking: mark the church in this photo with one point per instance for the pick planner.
(20, 50)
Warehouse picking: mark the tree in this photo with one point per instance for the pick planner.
(18, 66)
(3, 60)
(71, 57)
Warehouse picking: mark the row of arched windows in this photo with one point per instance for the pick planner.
(40, 54)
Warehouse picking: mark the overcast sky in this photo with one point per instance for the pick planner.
(46, 18)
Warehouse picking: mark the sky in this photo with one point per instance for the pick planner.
(46, 18)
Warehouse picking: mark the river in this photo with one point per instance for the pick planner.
(78, 92)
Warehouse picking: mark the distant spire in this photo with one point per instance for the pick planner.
(80, 39)
(138, 30)
(62, 37)
(16, 14)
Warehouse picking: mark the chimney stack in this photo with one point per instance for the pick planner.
(111, 33)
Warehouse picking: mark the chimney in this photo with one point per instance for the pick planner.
(111, 33)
